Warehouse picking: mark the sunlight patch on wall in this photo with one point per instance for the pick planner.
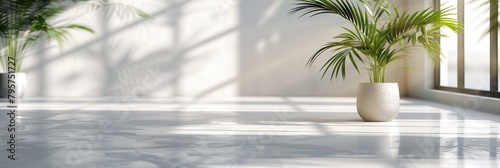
(270, 12)
(183, 48)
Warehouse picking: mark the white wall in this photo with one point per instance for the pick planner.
(421, 80)
(191, 48)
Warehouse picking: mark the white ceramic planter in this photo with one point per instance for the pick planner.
(378, 102)
(20, 79)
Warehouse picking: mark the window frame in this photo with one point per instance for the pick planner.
(494, 91)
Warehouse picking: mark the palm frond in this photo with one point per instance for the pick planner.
(344, 8)
(372, 42)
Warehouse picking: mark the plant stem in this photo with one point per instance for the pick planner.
(383, 74)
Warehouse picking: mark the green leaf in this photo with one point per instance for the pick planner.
(80, 27)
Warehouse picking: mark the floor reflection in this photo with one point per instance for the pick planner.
(248, 132)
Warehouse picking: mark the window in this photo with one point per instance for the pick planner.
(470, 63)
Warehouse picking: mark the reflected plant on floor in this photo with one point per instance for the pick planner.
(241, 150)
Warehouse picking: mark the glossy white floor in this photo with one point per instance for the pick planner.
(247, 132)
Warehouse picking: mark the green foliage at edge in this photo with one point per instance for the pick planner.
(23, 22)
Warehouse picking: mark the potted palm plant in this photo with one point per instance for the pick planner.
(24, 22)
(380, 35)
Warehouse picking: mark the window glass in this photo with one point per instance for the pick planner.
(477, 46)
(449, 46)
